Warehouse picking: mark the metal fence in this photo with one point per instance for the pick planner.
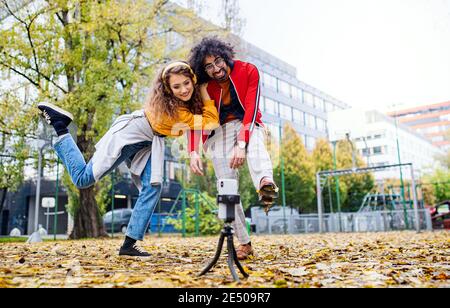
(380, 221)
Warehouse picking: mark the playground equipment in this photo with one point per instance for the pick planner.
(391, 207)
(321, 180)
(183, 196)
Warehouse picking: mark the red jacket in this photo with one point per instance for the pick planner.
(245, 82)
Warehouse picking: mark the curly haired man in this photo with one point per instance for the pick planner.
(235, 87)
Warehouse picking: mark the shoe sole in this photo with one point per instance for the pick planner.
(58, 109)
(132, 257)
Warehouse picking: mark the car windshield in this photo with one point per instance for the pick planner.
(117, 214)
(443, 209)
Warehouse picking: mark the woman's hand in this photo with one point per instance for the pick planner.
(204, 92)
(196, 164)
(238, 158)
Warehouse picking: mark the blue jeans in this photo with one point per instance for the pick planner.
(83, 177)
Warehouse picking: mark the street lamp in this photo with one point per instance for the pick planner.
(336, 180)
(399, 159)
(367, 151)
(44, 142)
(283, 183)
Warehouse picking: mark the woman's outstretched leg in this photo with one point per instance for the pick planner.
(69, 153)
(66, 148)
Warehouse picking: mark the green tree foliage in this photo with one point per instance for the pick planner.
(322, 157)
(298, 170)
(209, 224)
(95, 59)
(357, 185)
(249, 196)
(439, 185)
(15, 128)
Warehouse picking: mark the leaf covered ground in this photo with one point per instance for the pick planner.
(399, 259)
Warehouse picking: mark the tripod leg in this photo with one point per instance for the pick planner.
(238, 264)
(216, 257)
(231, 258)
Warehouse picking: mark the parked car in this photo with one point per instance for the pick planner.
(440, 215)
(121, 219)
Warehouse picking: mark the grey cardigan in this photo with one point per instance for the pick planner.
(126, 130)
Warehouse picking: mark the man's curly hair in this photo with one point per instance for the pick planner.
(209, 46)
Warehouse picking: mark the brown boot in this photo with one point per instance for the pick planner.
(244, 251)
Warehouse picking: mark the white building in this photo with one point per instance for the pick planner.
(375, 136)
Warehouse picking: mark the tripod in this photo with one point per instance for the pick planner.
(227, 232)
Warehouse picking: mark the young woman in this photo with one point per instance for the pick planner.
(175, 105)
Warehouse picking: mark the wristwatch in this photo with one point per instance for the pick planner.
(242, 145)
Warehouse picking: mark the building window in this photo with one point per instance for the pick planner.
(308, 99)
(269, 81)
(438, 139)
(271, 106)
(298, 116)
(310, 121)
(321, 125)
(300, 95)
(284, 88)
(310, 142)
(295, 93)
(273, 130)
(262, 103)
(319, 103)
(378, 150)
(286, 112)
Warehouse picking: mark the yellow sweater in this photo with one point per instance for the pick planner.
(171, 127)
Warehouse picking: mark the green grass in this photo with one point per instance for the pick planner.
(19, 240)
(13, 239)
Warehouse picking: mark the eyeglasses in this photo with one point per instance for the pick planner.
(218, 62)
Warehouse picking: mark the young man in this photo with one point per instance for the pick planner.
(234, 86)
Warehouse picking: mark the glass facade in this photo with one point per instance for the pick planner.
(285, 99)
(271, 106)
(308, 99)
(298, 116)
(286, 112)
(288, 104)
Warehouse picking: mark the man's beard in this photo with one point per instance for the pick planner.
(225, 75)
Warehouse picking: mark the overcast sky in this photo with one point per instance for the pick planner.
(367, 53)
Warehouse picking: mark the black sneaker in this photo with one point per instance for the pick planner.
(57, 117)
(133, 251)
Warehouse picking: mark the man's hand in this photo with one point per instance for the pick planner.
(196, 164)
(238, 158)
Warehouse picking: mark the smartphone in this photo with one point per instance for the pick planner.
(227, 190)
(227, 187)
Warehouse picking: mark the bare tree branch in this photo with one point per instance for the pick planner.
(36, 84)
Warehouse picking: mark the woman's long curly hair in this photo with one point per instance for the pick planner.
(161, 100)
(209, 46)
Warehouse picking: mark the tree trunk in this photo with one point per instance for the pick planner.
(88, 222)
